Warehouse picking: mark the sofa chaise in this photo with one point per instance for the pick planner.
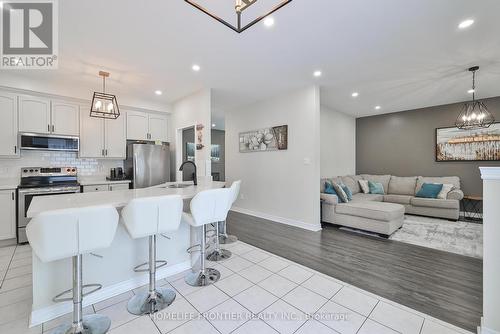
(384, 214)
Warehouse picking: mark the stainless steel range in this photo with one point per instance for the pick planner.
(40, 181)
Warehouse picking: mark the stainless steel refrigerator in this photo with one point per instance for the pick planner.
(147, 164)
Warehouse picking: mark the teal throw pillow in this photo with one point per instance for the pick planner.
(430, 190)
(329, 189)
(376, 188)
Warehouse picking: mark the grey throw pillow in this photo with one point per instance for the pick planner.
(340, 192)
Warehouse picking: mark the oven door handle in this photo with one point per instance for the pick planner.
(48, 191)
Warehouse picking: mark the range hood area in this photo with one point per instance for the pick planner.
(43, 142)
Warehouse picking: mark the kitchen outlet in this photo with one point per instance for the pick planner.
(242, 196)
(307, 161)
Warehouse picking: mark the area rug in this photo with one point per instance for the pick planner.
(456, 237)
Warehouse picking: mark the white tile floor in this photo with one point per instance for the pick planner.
(258, 293)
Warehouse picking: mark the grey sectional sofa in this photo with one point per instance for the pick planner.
(384, 213)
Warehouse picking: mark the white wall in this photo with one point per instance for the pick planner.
(490, 323)
(338, 143)
(278, 185)
(188, 111)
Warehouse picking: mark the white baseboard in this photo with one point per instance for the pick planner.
(45, 314)
(483, 330)
(281, 220)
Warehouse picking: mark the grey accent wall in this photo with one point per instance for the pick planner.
(219, 138)
(403, 144)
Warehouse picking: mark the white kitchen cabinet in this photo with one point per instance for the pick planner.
(102, 138)
(8, 125)
(137, 125)
(41, 115)
(7, 214)
(91, 136)
(147, 126)
(118, 186)
(115, 137)
(34, 114)
(105, 187)
(65, 118)
(158, 127)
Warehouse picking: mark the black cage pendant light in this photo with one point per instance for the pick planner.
(104, 105)
(239, 8)
(474, 114)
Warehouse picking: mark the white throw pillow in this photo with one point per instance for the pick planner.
(443, 194)
(364, 186)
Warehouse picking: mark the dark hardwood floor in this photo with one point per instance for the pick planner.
(444, 285)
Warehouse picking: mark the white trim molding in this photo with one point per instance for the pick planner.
(490, 173)
(277, 219)
(53, 311)
(483, 330)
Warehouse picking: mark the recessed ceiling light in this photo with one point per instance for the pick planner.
(158, 92)
(196, 68)
(213, 125)
(466, 24)
(269, 21)
(470, 91)
(317, 74)
(355, 94)
(378, 107)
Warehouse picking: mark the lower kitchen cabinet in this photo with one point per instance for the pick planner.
(7, 214)
(105, 187)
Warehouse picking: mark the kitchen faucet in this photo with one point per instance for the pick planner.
(194, 174)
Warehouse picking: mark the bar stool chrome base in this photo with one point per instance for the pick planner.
(227, 239)
(219, 255)
(203, 277)
(92, 324)
(144, 303)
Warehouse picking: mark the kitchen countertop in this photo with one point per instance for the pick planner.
(9, 183)
(99, 181)
(117, 199)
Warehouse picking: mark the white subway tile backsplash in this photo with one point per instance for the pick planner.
(10, 168)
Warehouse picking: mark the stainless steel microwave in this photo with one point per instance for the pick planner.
(42, 142)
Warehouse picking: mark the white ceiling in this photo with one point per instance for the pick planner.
(400, 54)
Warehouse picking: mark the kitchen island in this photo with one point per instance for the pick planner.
(111, 267)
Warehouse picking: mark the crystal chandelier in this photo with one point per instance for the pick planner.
(239, 8)
(474, 114)
(104, 105)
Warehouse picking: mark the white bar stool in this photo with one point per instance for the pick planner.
(59, 234)
(225, 238)
(148, 217)
(207, 207)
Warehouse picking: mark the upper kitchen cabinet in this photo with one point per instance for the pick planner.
(137, 125)
(115, 137)
(147, 126)
(158, 127)
(40, 115)
(65, 118)
(34, 114)
(103, 138)
(8, 126)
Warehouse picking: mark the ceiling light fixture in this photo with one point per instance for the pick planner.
(355, 94)
(104, 105)
(317, 74)
(196, 68)
(213, 125)
(471, 91)
(239, 7)
(474, 114)
(378, 107)
(466, 24)
(269, 21)
(158, 92)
